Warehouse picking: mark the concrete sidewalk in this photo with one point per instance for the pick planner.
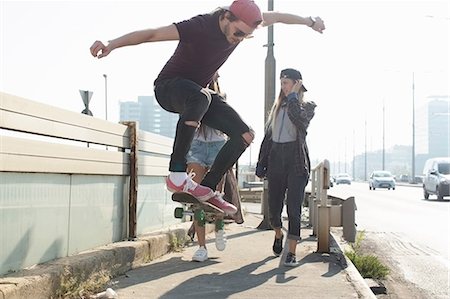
(246, 269)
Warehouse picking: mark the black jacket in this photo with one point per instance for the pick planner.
(300, 115)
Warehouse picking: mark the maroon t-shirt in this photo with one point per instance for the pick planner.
(201, 51)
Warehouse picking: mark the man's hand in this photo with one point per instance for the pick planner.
(317, 24)
(99, 50)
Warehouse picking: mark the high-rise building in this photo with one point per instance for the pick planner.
(439, 126)
(151, 117)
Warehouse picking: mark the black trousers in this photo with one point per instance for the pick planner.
(285, 184)
(195, 103)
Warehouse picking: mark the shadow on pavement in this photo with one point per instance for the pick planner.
(223, 285)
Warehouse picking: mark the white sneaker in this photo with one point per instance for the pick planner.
(200, 255)
(221, 240)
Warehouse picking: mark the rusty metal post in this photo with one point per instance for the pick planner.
(133, 128)
(323, 232)
(348, 219)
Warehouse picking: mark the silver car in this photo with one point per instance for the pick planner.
(381, 179)
(343, 178)
(437, 178)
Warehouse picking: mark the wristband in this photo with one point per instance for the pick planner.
(313, 22)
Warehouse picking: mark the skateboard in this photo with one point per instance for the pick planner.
(201, 211)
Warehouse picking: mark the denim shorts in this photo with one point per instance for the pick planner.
(204, 153)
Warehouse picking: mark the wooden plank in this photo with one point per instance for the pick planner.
(17, 104)
(21, 163)
(154, 143)
(24, 123)
(154, 170)
(19, 146)
(27, 116)
(153, 166)
(40, 156)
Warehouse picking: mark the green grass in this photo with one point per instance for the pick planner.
(81, 286)
(368, 265)
(176, 242)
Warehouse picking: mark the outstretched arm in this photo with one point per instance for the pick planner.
(98, 49)
(272, 17)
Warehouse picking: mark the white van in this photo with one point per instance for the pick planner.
(437, 178)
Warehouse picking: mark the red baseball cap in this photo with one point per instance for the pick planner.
(247, 11)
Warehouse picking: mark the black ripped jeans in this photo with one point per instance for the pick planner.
(195, 103)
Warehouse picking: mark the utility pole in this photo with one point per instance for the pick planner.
(345, 154)
(269, 97)
(353, 162)
(383, 167)
(365, 150)
(413, 166)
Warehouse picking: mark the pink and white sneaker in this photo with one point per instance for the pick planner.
(202, 193)
(218, 201)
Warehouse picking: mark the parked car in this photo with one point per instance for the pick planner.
(437, 178)
(343, 178)
(381, 179)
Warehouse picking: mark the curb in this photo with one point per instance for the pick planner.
(353, 275)
(50, 279)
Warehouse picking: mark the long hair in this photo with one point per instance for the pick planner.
(276, 108)
(204, 130)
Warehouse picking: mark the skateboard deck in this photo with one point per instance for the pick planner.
(211, 212)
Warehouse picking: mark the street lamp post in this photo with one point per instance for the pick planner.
(106, 96)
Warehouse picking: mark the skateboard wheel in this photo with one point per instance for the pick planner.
(178, 213)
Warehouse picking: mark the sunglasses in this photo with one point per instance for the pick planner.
(240, 33)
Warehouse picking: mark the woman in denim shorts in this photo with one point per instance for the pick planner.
(204, 148)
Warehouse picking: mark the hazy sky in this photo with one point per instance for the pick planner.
(365, 57)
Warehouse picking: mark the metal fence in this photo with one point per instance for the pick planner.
(327, 211)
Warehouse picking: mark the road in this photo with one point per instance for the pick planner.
(412, 233)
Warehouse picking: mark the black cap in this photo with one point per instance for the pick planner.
(292, 74)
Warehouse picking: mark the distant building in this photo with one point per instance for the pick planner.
(439, 126)
(432, 140)
(151, 117)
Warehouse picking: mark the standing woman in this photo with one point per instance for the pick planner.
(284, 158)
